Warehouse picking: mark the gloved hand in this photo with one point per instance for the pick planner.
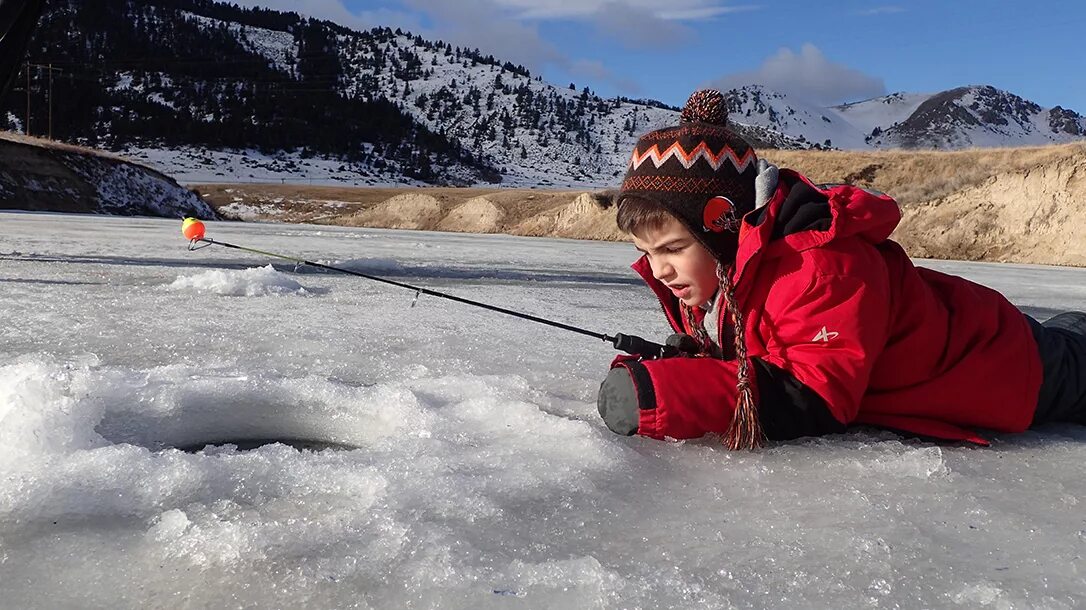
(684, 344)
(617, 402)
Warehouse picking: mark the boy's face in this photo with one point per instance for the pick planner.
(679, 261)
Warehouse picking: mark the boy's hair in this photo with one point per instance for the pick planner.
(637, 213)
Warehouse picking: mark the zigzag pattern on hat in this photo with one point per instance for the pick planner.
(677, 184)
(688, 159)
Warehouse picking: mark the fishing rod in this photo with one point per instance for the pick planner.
(195, 232)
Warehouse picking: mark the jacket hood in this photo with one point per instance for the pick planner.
(793, 214)
(801, 215)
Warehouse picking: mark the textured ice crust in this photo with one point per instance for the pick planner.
(477, 474)
(432, 461)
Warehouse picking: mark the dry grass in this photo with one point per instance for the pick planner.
(1005, 204)
(12, 136)
(913, 177)
(363, 206)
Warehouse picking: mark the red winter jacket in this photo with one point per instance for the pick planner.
(842, 329)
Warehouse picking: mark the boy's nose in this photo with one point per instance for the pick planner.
(662, 271)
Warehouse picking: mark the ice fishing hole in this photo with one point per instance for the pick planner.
(200, 422)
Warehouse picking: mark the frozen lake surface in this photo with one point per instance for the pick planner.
(468, 466)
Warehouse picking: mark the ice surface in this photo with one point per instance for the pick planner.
(481, 475)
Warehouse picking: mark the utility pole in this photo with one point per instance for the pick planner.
(40, 67)
(50, 101)
(26, 126)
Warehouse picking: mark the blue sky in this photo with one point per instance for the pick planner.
(825, 52)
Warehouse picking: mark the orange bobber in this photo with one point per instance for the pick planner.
(192, 229)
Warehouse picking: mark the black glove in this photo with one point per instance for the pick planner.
(617, 402)
(684, 344)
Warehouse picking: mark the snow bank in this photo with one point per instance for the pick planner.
(252, 282)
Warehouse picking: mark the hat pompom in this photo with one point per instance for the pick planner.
(705, 106)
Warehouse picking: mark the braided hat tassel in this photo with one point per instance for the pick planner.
(745, 430)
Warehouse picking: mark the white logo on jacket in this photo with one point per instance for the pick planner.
(824, 335)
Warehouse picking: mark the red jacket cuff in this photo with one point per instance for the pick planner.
(688, 397)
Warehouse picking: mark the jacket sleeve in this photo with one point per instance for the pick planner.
(687, 397)
(683, 398)
(827, 336)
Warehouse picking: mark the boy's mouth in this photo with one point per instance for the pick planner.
(681, 291)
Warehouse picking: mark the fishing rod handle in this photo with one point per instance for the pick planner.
(643, 348)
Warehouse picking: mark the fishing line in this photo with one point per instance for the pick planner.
(195, 232)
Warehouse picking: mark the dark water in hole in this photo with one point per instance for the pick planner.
(248, 444)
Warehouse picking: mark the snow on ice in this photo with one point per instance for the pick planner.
(466, 466)
(252, 282)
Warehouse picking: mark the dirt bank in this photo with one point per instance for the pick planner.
(570, 214)
(1023, 205)
(1011, 205)
(48, 176)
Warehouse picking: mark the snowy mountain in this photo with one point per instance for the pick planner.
(216, 93)
(764, 107)
(979, 116)
(210, 92)
(881, 112)
(192, 74)
(193, 80)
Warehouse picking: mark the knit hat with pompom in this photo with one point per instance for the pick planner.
(700, 171)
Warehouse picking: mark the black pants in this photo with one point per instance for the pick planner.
(1062, 342)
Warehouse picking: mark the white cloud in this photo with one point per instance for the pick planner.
(882, 10)
(706, 12)
(673, 9)
(589, 68)
(480, 24)
(808, 75)
(631, 26)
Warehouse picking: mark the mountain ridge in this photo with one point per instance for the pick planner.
(215, 93)
(963, 117)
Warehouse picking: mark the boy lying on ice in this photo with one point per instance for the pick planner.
(798, 316)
